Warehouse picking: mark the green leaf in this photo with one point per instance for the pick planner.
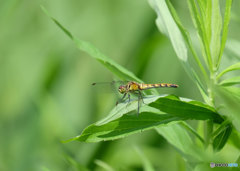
(123, 108)
(225, 28)
(196, 17)
(191, 130)
(230, 97)
(126, 125)
(221, 139)
(153, 107)
(121, 123)
(56, 22)
(117, 69)
(188, 110)
(216, 31)
(230, 68)
(207, 22)
(221, 128)
(185, 34)
(169, 23)
(202, 23)
(187, 39)
(230, 81)
(235, 138)
(202, 6)
(177, 135)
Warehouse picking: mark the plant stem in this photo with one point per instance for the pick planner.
(208, 132)
(209, 124)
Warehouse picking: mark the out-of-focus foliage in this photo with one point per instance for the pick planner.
(45, 85)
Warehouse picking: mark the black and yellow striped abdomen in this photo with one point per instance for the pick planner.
(143, 86)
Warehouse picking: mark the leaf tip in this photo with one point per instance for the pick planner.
(69, 140)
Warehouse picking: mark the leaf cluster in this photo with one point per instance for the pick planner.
(167, 114)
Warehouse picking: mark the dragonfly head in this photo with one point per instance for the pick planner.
(122, 89)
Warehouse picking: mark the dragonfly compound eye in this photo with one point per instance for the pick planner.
(122, 89)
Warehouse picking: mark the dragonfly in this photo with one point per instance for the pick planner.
(134, 88)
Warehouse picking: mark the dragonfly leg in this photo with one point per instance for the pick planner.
(138, 105)
(128, 100)
(141, 96)
(121, 98)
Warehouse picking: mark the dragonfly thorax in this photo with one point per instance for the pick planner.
(122, 89)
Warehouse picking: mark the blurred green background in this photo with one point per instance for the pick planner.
(45, 82)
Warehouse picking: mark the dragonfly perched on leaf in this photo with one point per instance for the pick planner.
(133, 88)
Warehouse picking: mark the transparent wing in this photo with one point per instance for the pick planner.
(110, 83)
(109, 87)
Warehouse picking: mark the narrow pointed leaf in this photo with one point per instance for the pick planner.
(177, 109)
(230, 68)
(171, 102)
(186, 37)
(126, 107)
(221, 139)
(177, 135)
(202, 23)
(216, 31)
(202, 6)
(189, 110)
(235, 138)
(169, 23)
(225, 28)
(230, 81)
(87, 47)
(207, 22)
(191, 130)
(126, 125)
(230, 97)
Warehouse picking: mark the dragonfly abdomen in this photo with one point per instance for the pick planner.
(148, 86)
